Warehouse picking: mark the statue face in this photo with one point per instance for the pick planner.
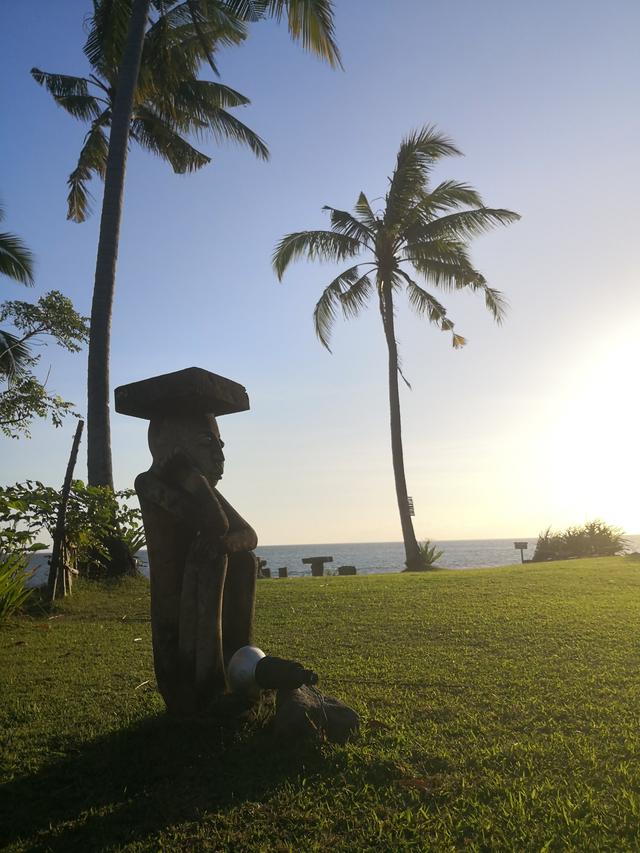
(195, 436)
(201, 442)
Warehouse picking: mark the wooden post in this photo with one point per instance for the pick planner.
(57, 564)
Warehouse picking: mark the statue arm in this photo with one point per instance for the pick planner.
(241, 536)
(187, 497)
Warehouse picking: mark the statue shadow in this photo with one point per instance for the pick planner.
(135, 782)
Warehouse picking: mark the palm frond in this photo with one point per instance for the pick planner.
(443, 249)
(447, 275)
(218, 23)
(61, 85)
(363, 209)
(14, 355)
(91, 161)
(426, 305)
(226, 127)
(417, 154)
(449, 195)
(494, 300)
(315, 245)
(182, 38)
(309, 21)
(247, 10)
(16, 261)
(84, 107)
(201, 96)
(324, 314)
(469, 223)
(157, 136)
(108, 28)
(344, 223)
(355, 297)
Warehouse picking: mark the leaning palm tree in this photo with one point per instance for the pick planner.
(422, 231)
(145, 70)
(16, 262)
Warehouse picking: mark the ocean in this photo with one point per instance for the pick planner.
(370, 557)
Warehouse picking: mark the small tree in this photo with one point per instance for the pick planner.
(23, 396)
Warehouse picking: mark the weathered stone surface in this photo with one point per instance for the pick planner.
(283, 572)
(192, 390)
(305, 713)
(347, 570)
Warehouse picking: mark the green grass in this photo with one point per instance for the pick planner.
(500, 711)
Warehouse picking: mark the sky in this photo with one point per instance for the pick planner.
(533, 423)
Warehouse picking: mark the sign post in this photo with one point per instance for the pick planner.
(522, 547)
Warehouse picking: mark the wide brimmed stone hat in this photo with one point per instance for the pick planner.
(190, 391)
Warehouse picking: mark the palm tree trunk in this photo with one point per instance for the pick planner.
(411, 550)
(98, 428)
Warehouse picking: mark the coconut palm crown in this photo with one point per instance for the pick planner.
(423, 233)
(171, 108)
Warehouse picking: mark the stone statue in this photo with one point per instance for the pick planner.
(202, 567)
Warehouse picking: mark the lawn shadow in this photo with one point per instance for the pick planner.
(135, 782)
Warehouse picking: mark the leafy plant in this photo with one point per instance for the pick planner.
(593, 539)
(429, 554)
(96, 518)
(13, 576)
(23, 396)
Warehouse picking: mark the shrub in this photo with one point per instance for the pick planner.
(99, 523)
(13, 576)
(593, 539)
(429, 555)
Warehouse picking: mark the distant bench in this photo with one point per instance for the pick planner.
(317, 565)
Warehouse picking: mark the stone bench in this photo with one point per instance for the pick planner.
(317, 565)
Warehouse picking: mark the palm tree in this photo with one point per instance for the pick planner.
(16, 262)
(146, 73)
(421, 231)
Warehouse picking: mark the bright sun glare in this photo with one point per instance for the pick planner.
(595, 439)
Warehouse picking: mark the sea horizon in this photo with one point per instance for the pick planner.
(369, 557)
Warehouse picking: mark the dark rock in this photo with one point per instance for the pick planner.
(346, 570)
(305, 713)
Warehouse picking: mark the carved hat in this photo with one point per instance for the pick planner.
(192, 390)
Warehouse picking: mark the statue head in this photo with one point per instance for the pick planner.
(196, 436)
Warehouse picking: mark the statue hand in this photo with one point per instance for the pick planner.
(178, 470)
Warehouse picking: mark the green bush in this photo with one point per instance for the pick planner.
(429, 555)
(13, 576)
(593, 539)
(100, 527)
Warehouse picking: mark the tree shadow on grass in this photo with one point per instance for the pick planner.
(133, 783)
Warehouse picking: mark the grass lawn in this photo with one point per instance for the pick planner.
(500, 707)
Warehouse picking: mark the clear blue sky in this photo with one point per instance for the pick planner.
(533, 423)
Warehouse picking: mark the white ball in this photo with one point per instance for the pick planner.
(242, 668)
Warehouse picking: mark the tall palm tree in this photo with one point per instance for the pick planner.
(146, 71)
(421, 231)
(16, 262)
